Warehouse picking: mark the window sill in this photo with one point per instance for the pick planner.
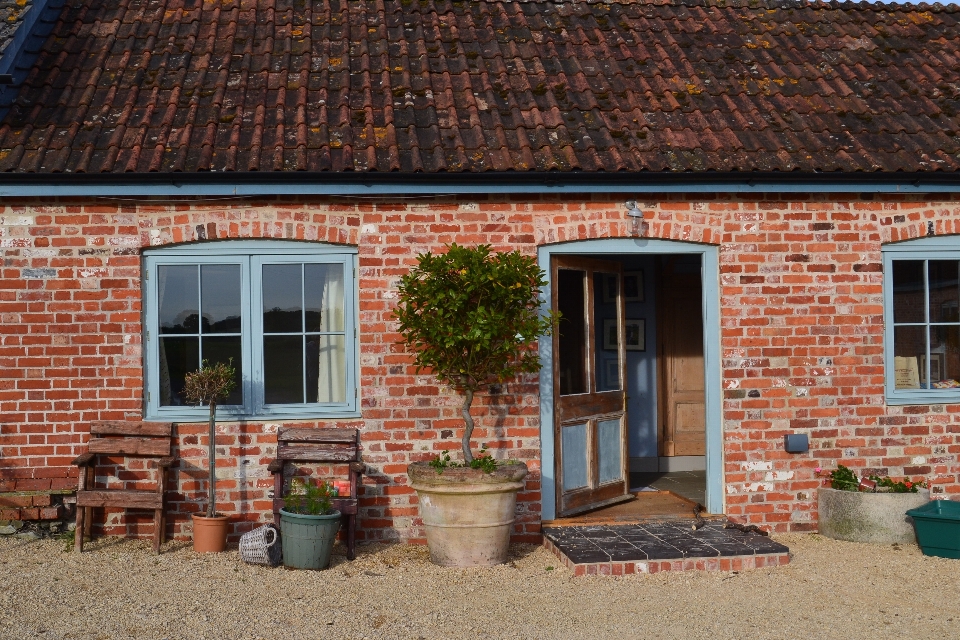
(223, 416)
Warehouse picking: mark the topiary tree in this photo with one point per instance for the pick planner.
(472, 317)
(210, 384)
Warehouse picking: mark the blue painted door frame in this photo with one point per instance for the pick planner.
(709, 260)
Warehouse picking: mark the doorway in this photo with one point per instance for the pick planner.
(630, 396)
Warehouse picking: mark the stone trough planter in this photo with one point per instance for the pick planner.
(868, 517)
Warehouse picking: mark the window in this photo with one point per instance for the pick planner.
(922, 321)
(284, 313)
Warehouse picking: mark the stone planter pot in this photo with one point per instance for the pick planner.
(467, 514)
(868, 517)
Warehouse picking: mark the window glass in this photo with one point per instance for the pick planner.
(571, 329)
(943, 290)
(908, 293)
(220, 298)
(282, 298)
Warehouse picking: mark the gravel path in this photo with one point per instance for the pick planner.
(119, 589)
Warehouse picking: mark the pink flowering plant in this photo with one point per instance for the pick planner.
(844, 479)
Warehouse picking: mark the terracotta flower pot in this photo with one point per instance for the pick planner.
(467, 514)
(209, 534)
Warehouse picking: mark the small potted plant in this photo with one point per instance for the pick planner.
(870, 508)
(208, 385)
(472, 317)
(308, 525)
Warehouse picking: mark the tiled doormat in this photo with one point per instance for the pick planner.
(651, 547)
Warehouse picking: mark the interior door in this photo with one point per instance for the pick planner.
(589, 401)
(682, 381)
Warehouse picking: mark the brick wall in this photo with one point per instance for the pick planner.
(801, 314)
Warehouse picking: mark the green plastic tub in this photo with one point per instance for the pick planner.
(307, 540)
(938, 528)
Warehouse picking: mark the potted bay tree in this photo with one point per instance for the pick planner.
(208, 385)
(472, 317)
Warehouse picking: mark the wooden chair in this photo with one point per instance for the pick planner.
(324, 446)
(143, 439)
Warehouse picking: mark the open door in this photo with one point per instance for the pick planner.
(680, 350)
(589, 399)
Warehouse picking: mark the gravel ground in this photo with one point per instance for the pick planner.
(120, 589)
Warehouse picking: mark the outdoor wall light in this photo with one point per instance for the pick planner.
(639, 227)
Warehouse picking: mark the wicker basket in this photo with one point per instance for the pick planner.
(261, 546)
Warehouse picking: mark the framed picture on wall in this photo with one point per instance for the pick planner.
(634, 335)
(633, 286)
(936, 368)
(609, 288)
(610, 334)
(611, 374)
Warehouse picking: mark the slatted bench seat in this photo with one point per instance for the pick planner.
(336, 446)
(127, 439)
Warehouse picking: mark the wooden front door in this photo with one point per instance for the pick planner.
(589, 401)
(680, 350)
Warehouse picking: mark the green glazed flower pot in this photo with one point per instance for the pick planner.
(307, 540)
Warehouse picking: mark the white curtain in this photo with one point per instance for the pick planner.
(332, 381)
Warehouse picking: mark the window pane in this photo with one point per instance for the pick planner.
(943, 291)
(908, 292)
(573, 443)
(179, 298)
(220, 298)
(282, 299)
(223, 349)
(608, 439)
(607, 374)
(946, 360)
(283, 369)
(572, 339)
(178, 357)
(909, 344)
(324, 297)
(326, 369)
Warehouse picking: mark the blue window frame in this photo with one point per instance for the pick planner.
(284, 313)
(921, 298)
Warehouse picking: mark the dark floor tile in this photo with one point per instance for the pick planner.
(627, 555)
(662, 553)
(584, 557)
(699, 551)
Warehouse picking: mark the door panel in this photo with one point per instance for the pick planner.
(589, 401)
(680, 341)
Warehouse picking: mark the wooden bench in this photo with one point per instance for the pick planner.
(337, 446)
(141, 439)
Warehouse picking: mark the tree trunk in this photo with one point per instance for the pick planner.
(468, 429)
(212, 456)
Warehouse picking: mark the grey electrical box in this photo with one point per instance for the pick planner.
(796, 443)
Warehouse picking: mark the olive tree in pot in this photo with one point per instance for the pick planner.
(208, 385)
(472, 317)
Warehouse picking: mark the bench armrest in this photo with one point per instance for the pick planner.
(83, 460)
(167, 461)
(359, 467)
(276, 466)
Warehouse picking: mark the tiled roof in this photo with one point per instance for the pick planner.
(470, 86)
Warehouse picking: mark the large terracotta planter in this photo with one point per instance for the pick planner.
(209, 534)
(868, 517)
(467, 514)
